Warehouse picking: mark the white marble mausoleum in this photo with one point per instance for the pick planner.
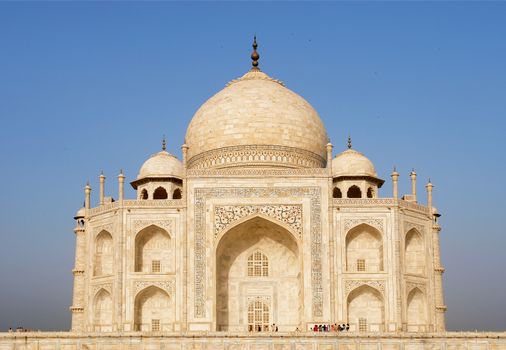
(261, 231)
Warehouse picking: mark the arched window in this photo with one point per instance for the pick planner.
(258, 264)
(258, 316)
(337, 193)
(176, 194)
(144, 194)
(160, 193)
(354, 192)
(370, 192)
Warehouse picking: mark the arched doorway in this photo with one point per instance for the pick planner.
(416, 314)
(258, 266)
(366, 309)
(102, 311)
(153, 310)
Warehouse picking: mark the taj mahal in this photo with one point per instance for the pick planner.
(262, 231)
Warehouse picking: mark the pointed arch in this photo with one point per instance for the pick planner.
(144, 194)
(177, 194)
(364, 249)
(414, 253)
(103, 257)
(160, 193)
(234, 286)
(153, 250)
(370, 193)
(416, 310)
(354, 192)
(336, 193)
(102, 311)
(153, 310)
(366, 309)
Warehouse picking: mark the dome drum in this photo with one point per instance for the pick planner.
(256, 156)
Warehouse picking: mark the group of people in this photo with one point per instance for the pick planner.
(330, 327)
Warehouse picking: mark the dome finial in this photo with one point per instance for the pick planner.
(349, 142)
(254, 55)
(164, 144)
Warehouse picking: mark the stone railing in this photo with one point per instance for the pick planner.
(134, 203)
(252, 341)
(379, 202)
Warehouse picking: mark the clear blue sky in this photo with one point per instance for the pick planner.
(90, 86)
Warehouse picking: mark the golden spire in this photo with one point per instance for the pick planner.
(349, 142)
(254, 55)
(164, 144)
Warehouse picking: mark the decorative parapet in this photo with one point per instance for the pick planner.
(256, 155)
(127, 204)
(379, 202)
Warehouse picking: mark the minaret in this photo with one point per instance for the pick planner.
(87, 196)
(395, 188)
(102, 188)
(78, 297)
(121, 186)
(429, 188)
(412, 175)
(329, 155)
(438, 269)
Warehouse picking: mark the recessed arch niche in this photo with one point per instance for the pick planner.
(364, 248)
(153, 244)
(102, 311)
(280, 290)
(366, 309)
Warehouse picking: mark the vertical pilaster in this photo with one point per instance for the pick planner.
(184, 279)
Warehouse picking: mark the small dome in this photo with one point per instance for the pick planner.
(257, 111)
(161, 164)
(80, 213)
(352, 163)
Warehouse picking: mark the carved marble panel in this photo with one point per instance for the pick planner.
(167, 225)
(350, 285)
(225, 215)
(374, 222)
(167, 286)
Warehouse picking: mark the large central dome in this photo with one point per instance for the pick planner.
(256, 121)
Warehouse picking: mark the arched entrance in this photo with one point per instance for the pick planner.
(153, 310)
(366, 309)
(258, 267)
